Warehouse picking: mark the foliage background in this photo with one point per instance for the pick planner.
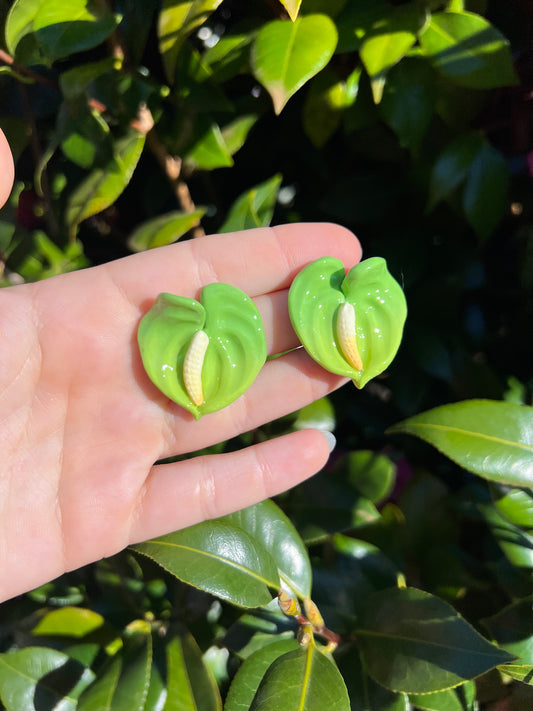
(426, 154)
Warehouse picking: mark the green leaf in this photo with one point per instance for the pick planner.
(318, 415)
(325, 102)
(485, 193)
(236, 132)
(69, 621)
(209, 151)
(316, 299)
(177, 19)
(292, 7)
(99, 695)
(234, 355)
(249, 676)
(409, 100)
(516, 543)
(452, 166)
(415, 643)
(371, 474)
(74, 82)
(265, 522)
(356, 19)
(303, 680)
(512, 630)
(448, 700)
(102, 186)
(220, 558)
(163, 229)
(254, 208)
(36, 677)
(468, 50)
(229, 56)
(516, 505)
(42, 31)
(190, 686)
(491, 439)
(285, 55)
(388, 41)
(133, 683)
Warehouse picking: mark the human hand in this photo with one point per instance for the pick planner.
(82, 425)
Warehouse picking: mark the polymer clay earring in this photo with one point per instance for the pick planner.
(351, 324)
(203, 354)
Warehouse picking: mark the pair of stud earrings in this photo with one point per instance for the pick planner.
(204, 354)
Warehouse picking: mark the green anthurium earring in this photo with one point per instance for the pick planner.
(203, 354)
(351, 324)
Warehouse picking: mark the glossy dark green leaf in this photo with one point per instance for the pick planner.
(99, 695)
(220, 558)
(485, 192)
(265, 522)
(177, 19)
(285, 55)
(163, 229)
(512, 630)
(247, 680)
(254, 208)
(366, 694)
(303, 680)
(467, 49)
(414, 642)
(408, 101)
(492, 439)
(36, 677)
(190, 685)
(41, 31)
(356, 19)
(452, 166)
(102, 186)
(132, 687)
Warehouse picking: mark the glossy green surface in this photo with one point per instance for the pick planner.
(380, 312)
(234, 356)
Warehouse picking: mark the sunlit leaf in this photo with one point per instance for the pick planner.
(220, 558)
(163, 229)
(102, 186)
(292, 7)
(191, 686)
(254, 208)
(285, 55)
(177, 19)
(492, 439)
(467, 49)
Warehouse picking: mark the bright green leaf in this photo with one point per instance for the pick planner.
(265, 522)
(326, 99)
(229, 56)
(236, 132)
(319, 415)
(254, 208)
(491, 439)
(468, 50)
(102, 186)
(69, 621)
(387, 42)
(190, 685)
(516, 505)
(177, 19)
(246, 682)
(163, 229)
(209, 151)
(416, 643)
(516, 543)
(485, 192)
(220, 558)
(44, 675)
(303, 680)
(41, 31)
(285, 55)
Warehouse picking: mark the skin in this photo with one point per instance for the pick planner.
(82, 425)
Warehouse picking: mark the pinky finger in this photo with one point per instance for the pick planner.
(184, 493)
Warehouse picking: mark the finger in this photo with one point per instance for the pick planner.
(257, 261)
(283, 386)
(7, 169)
(181, 494)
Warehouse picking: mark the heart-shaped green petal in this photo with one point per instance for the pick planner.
(358, 340)
(235, 353)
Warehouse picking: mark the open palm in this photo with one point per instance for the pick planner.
(82, 425)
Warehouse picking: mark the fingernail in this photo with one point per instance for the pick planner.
(330, 438)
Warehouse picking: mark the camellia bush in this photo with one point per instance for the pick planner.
(401, 576)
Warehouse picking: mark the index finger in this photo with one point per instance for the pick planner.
(258, 261)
